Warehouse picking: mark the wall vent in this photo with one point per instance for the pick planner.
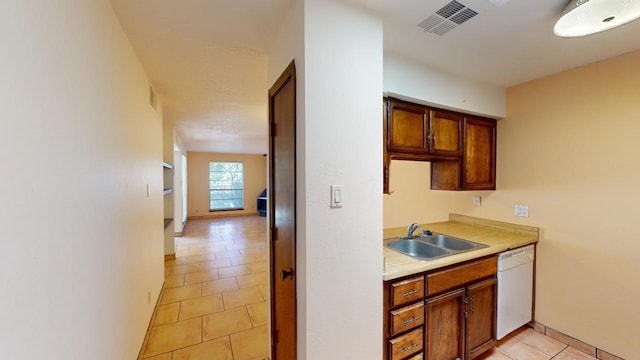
(447, 18)
(153, 98)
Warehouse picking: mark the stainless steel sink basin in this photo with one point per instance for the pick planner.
(417, 249)
(448, 242)
(429, 247)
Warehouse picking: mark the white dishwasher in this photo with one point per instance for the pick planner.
(515, 289)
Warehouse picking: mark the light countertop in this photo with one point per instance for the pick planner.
(499, 236)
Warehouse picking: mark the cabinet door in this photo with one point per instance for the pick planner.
(386, 160)
(445, 175)
(481, 317)
(407, 128)
(479, 158)
(444, 338)
(445, 131)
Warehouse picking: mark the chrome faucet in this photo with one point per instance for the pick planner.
(412, 228)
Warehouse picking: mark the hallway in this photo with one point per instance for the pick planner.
(214, 305)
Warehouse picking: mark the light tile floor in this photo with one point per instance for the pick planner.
(214, 305)
(528, 344)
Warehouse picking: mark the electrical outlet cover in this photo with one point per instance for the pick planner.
(477, 200)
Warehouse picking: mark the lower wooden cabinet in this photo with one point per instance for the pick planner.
(445, 326)
(461, 323)
(454, 318)
(481, 317)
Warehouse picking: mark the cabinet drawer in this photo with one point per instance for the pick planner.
(460, 275)
(406, 291)
(417, 357)
(406, 344)
(406, 318)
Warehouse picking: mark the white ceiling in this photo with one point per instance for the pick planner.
(207, 58)
(207, 62)
(502, 45)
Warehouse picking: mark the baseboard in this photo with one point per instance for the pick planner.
(168, 257)
(153, 319)
(180, 233)
(221, 215)
(573, 342)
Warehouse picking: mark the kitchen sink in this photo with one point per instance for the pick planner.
(417, 249)
(429, 247)
(449, 243)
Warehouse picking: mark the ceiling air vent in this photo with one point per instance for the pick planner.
(447, 18)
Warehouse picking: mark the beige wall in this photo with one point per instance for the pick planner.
(411, 200)
(255, 180)
(81, 247)
(338, 97)
(567, 148)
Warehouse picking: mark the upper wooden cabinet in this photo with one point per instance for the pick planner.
(461, 148)
(407, 128)
(416, 129)
(445, 129)
(479, 160)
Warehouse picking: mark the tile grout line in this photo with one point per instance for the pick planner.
(563, 349)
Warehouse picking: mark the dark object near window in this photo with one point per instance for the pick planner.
(262, 203)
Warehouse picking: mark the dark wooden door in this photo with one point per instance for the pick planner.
(407, 128)
(481, 317)
(445, 326)
(445, 130)
(479, 160)
(282, 205)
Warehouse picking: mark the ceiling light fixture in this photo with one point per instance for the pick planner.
(585, 17)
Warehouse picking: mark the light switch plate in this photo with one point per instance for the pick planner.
(336, 196)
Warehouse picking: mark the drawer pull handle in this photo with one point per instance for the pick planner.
(410, 347)
(405, 322)
(414, 291)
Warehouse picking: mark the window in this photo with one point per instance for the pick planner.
(226, 186)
